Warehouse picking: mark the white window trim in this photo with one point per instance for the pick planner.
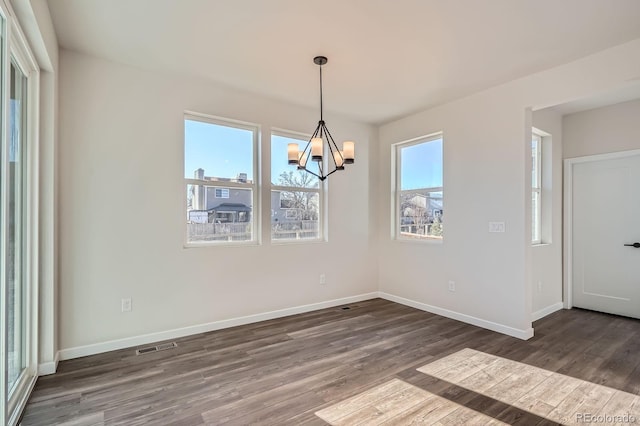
(15, 48)
(396, 167)
(321, 190)
(254, 185)
(535, 133)
(222, 190)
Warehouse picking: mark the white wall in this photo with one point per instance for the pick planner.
(121, 211)
(546, 261)
(603, 130)
(486, 178)
(484, 181)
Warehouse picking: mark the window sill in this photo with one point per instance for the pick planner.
(540, 244)
(426, 241)
(220, 244)
(295, 242)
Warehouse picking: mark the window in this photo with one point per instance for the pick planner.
(219, 173)
(291, 214)
(536, 188)
(296, 196)
(222, 192)
(418, 186)
(17, 216)
(19, 220)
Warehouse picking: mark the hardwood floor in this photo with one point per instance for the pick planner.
(283, 371)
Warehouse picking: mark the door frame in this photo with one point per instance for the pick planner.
(16, 49)
(569, 164)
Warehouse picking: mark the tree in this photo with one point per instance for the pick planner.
(190, 195)
(306, 202)
(413, 211)
(300, 179)
(436, 227)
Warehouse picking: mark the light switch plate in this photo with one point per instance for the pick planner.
(496, 227)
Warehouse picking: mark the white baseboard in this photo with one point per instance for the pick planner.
(546, 311)
(489, 325)
(127, 342)
(50, 367)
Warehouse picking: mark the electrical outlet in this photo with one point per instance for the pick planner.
(452, 286)
(539, 286)
(323, 279)
(125, 304)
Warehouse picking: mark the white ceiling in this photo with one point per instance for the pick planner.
(386, 58)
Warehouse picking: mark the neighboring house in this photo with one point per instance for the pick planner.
(420, 208)
(285, 209)
(220, 204)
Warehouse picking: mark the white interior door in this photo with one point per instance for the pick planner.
(606, 216)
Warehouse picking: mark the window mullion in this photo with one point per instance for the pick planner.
(294, 188)
(219, 184)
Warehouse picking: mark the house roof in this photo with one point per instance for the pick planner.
(231, 207)
(386, 58)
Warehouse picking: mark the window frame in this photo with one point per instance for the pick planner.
(223, 192)
(321, 190)
(16, 51)
(254, 186)
(536, 187)
(396, 159)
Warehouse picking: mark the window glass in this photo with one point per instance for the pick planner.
(296, 195)
(219, 171)
(221, 152)
(536, 188)
(419, 192)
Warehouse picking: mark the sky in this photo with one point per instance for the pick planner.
(421, 165)
(220, 150)
(279, 156)
(224, 151)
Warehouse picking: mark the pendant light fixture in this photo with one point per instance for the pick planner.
(321, 148)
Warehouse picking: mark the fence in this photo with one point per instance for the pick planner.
(298, 230)
(419, 231)
(219, 231)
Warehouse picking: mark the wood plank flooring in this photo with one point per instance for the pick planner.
(283, 371)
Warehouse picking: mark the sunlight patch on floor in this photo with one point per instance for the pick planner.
(557, 397)
(399, 403)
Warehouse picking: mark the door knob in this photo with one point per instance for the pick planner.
(635, 245)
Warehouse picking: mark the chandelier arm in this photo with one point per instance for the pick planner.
(331, 151)
(332, 172)
(315, 134)
(313, 173)
(330, 142)
(308, 147)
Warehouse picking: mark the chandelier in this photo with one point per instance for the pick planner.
(321, 148)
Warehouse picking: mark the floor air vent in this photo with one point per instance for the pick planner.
(348, 307)
(162, 347)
